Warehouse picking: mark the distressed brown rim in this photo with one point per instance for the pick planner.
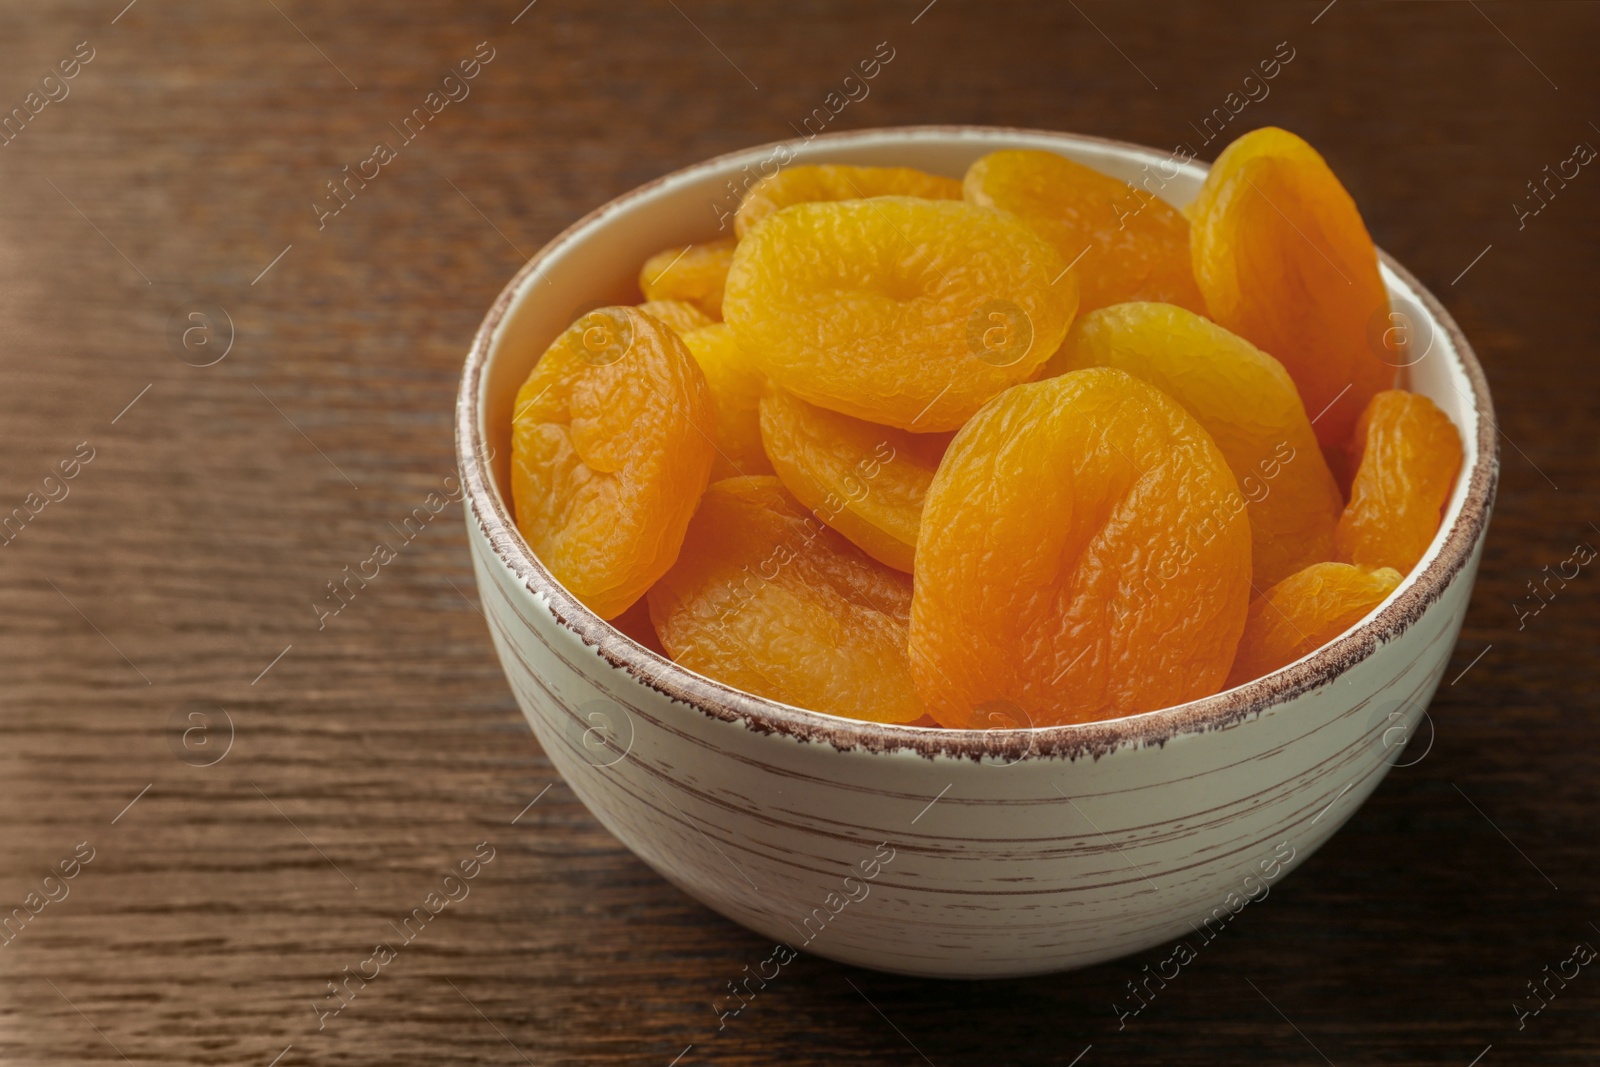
(718, 701)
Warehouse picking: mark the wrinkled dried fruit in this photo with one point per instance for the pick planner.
(736, 395)
(1086, 497)
(897, 310)
(1126, 242)
(1304, 612)
(1285, 262)
(1247, 403)
(610, 448)
(809, 184)
(1078, 557)
(767, 599)
(692, 273)
(679, 314)
(1408, 454)
(864, 480)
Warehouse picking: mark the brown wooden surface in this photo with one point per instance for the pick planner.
(382, 749)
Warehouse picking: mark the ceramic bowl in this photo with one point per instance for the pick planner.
(946, 852)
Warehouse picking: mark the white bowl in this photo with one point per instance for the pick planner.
(945, 852)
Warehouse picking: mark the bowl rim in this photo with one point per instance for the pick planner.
(1094, 739)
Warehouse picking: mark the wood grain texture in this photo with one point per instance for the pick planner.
(383, 748)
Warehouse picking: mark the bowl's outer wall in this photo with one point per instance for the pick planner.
(956, 868)
(1033, 866)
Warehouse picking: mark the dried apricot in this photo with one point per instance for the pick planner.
(736, 395)
(897, 310)
(610, 448)
(1285, 262)
(1078, 557)
(679, 314)
(1304, 612)
(1127, 243)
(693, 273)
(1407, 455)
(808, 184)
(767, 599)
(864, 480)
(1247, 403)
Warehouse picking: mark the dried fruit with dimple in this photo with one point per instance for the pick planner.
(808, 184)
(1408, 453)
(736, 395)
(1247, 403)
(767, 599)
(864, 480)
(1285, 262)
(610, 449)
(1078, 557)
(679, 314)
(1304, 612)
(1126, 242)
(898, 310)
(692, 273)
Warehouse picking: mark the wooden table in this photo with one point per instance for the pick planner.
(162, 605)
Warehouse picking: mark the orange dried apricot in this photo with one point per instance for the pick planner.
(610, 448)
(1247, 403)
(1098, 404)
(679, 314)
(898, 310)
(1408, 453)
(1077, 557)
(1285, 262)
(693, 273)
(865, 481)
(736, 395)
(765, 598)
(1304, 612)
(808, 184)
(1126, 243)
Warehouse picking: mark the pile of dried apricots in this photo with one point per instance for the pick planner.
(1029, 448)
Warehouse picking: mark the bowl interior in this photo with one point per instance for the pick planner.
(596, 262)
